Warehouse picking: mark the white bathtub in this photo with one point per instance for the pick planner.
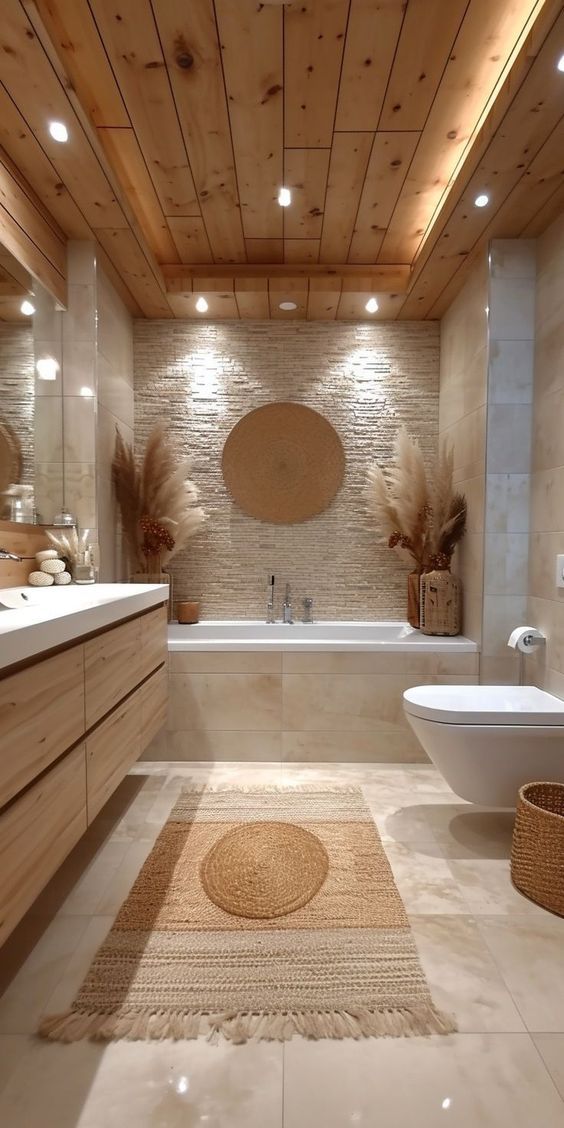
(393, 637)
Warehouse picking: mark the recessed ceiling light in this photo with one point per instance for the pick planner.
(371, 305)
(201, 305)
(560, 63)
(47, 368)
(27, 308)
(481, 200)
(58, 131)
(284, 197)
(287, 305)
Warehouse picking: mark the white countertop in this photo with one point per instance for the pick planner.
(38, 619)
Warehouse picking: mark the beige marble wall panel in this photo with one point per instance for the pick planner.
(365, 378)
(352, 747)
(546, 600)
(335, 662)
(225, 701)
(225, 661)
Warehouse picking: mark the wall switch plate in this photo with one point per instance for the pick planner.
(560, 570)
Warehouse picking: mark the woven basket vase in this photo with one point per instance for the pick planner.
(441, 600)
(537, 855)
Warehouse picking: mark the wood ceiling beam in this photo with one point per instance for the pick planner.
(28, 236)
(381, 279)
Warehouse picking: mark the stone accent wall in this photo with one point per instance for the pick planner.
(16, 377)
(366, 379)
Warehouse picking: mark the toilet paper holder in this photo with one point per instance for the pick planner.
(526, 639)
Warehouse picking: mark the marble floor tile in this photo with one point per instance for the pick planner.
(468, 831)
(529, 952)
(551, 1049)
(424, 879)
(145, 1085)
(462, 975)
(24, 999)
(486, 887)
(465, 1081)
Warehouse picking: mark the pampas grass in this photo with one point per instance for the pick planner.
(70, 545)
(158, 495)
(421, 520)
(398, 498)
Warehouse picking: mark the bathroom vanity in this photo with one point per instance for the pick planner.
(83, 690)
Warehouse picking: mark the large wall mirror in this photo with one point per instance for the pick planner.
(31, 478)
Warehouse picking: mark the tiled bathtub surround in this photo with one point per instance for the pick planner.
(546, 601)
(333, 707)
(366, 379)
(16, 408)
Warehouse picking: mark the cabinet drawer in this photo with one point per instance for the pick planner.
(36, 834)
(112, 665)
(153, 695)
(41, 715)
(153, 640)
(110, 751)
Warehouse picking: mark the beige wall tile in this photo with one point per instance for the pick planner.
(511, 365)
(513, 258)
(242, 746)
(509, 438)
(225, 701)
(542, 568)
(508, 498)
(325, 662)
(506, 564)
(499, 671)
(547, 500)
(352, 747)
(502, 613)
(225, 662)
(79, 415)
(548, 431)
(512, 309)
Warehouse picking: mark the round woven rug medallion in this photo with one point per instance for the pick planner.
(264, 869)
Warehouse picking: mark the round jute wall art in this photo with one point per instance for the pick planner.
(283, 463)
(264, 869)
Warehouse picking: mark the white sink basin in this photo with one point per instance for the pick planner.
(33, 620)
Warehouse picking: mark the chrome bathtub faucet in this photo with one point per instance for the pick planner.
(270, 601)
(287, 607)
(5, 555)
(308, 609)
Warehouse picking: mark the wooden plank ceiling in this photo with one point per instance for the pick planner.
(385, 119)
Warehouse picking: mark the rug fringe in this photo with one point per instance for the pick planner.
(272, 789)
(135, 1025)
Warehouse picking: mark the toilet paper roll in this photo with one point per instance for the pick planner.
(525, 639)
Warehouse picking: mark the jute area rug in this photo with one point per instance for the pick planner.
(260, 913)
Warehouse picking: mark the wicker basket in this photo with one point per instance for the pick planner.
(537, 856)
(441, 597)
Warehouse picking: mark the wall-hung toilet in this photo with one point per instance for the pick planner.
(488, 740)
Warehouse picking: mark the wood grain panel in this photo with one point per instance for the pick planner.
(130, 37)
(112, 667)
(74, 34)
(23, 540)
(154, 706)
(372, 37)
(128, 258)
(352, 305)
(469, 80)
(305, 174)
(41, 715)
(25, 151)
(287, 290)
(251, 295)
(36, 834)
(265, 250)
(123, 151)
(301, 250)
(387, 169)
(116, 279)
(251, 49)
(154, 647)
(111, 749)
(323, 299)
(29, 216)
(427, 36)
(190, 238)
(30, 255)
(347, 169)
(33, 85)
(180, 279)
(314, 37)
(199, 92)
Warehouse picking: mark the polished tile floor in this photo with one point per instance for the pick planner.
(492, 958)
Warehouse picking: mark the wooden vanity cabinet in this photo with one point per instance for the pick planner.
(71, 726)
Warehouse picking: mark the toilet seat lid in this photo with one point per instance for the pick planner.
(484, 705)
